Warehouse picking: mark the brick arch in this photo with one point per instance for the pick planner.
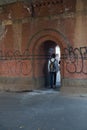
(35, 52)
(35, 43)
(44, 39)
(45, 34)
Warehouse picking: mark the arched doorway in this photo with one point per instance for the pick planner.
(42, 55)
(39, 46)
(52, 47)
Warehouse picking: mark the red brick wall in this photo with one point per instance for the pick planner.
(23, 40)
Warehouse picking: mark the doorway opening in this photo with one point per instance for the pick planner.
(49, 48)
(58, 56)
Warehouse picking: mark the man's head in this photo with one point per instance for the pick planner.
(53, 55)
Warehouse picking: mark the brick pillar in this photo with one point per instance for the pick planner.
(76, 66)
(80, 28)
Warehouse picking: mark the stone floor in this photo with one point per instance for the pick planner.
(42, 110)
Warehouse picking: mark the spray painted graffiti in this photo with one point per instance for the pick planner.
(76, 59)
(18, 63)
(15, 63)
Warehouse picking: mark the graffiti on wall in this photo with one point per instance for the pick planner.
(21, 63)
(15, 63)
(76, 59)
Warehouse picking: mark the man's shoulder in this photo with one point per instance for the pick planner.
(52, 59)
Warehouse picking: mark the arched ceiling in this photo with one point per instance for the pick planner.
(2, 2)
(45, 6)
(6, 1)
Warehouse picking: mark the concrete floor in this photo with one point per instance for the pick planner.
(42, 110)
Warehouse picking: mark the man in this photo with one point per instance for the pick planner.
(53, 69)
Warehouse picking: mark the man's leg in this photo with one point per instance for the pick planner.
(51, 79)
(55, 79)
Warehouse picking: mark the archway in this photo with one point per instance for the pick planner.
(50, 48)
(42, 53)
(39, 45)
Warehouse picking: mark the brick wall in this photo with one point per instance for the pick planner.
(24, 31)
